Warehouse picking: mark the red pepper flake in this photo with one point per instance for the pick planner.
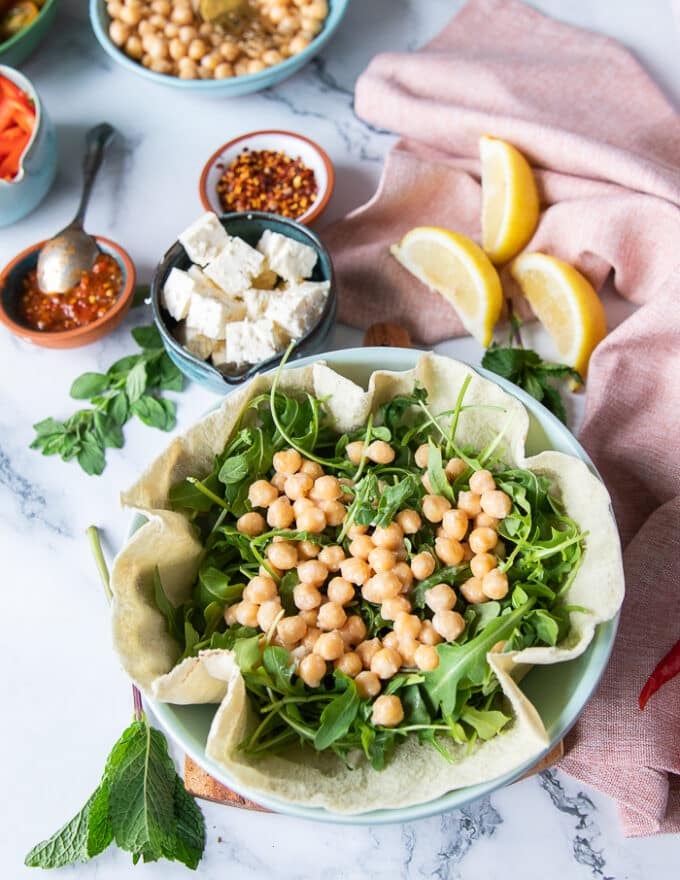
(267, 180)
(666, 669)
(89, 300)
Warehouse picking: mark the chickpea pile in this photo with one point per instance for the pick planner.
(375, 567)
(170, 37)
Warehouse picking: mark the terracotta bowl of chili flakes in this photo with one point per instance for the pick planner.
(78, 317)
(278, 172)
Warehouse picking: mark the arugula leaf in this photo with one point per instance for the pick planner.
(337, 717)
(486, 722)
(167, 609)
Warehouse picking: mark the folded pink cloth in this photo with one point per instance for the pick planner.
(605, 146)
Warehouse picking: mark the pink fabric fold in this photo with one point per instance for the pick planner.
(605, 146)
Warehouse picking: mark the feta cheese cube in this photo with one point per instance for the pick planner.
(176, 293)
(234, 268)
(256, 302)
(290, 259)
(209, 316)
(204, 239)
(195, 343)
(249, 342)
(202, 284)
(298, 307)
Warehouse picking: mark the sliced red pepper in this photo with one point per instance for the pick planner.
(666, 669)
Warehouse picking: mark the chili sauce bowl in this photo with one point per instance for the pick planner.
(294, 145)
(221, 88)
(249, 226)
(11, 288)
(38, 162)
(16, 49)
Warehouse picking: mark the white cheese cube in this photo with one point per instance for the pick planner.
(249, 342)
(267, 278)
(209, 316)
(202, 284)
(234, 268)
(219, 354)
(195, 343)
(256, 302)
(176, 293)
(290, 259)
(204, 239)
(298, 307)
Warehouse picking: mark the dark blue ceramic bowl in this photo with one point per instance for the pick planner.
(249, 226)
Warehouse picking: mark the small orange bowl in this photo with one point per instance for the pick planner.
(294, 145)
(11, 284)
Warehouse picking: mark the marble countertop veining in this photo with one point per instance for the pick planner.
(64, 697)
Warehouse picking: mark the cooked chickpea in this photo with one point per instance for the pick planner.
(280, 514)
(434, 507)
(311, 636)
(187, 32)
(381, 559)
(495, 584)
(312, 571)
(230, 615)
(177, 50)
(405, 575)
(131, 15)
(472, 592)
(422, 565)
(340, 590)
(133, 47)
(331, 616)
(197, 49)
(406, 624)
(469, 503)
(496, 503)
(283, 555)
(312, 669)
(361, 546)
(387, 711)
(269, 570)
(113, 7)
(224, 70)
(260, 589)
(162, 7)
(312, 520)
(381, 586)
(422, 455)
(119, 32)
(182, 14)
(350, 663)
(171, 30)
(386, 663)
(278, 480)
(380, 452)
(298, 486)
(391, 536)
(334, 511)
(251, 523)
(161, 65)
(317, 9)
(454, 468)
(449, 624)
(441, 597)
(428, 634)
(357, 571)
(367, 650)
(391, 640)
(229, 50)
(482, 563)
(483, 519)
(291, 630)
(455, 524)
(187, 68)
(407, 648)
(425, 480)
(368, 684)
(267, 614)
(301, 504)
(306, 597)
(326, 488)
(449, 551)
(262, 493)
(483, 539)
(287, 461)
(355, 530)
(353, 631)
(409, 521)
(391, 608)
(426, 657)
(482, 481)
(272, 57)
(246, 613)
(308, 550)
(332, 556)
(309, 617)
(467, 552)
(329, 645)
(354, 451)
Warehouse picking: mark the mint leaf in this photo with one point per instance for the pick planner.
(91, 456)
(190, 828)
(135, 382)
(66, 846)
(147, 337)
(89, 385)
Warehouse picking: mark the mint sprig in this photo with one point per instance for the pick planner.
(130, 387)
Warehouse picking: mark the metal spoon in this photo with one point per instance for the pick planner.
(72, 251)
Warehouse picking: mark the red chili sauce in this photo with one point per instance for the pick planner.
(92, 297)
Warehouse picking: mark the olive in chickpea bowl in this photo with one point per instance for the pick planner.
(168, 42)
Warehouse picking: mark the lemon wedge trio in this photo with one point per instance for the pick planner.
(455, 266)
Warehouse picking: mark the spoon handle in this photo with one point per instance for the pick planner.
(96, 142)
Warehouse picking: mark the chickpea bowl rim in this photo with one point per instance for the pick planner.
(318, 206)
(232, 86)
(78, 335)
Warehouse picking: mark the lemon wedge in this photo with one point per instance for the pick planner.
(509, 199)
(458, 269)
(565, 303)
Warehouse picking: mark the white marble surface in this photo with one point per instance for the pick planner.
(64, 699)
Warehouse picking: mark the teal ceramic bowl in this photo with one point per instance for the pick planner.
(17, 49)
(223, 88)
(38, 164)
(248, 226)
(559, 692)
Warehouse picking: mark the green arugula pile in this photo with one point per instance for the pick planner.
(461, 700)
(130, 387)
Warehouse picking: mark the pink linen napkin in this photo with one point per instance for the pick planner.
(605, 146)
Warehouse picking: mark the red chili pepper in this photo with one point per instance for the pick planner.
(666, 669)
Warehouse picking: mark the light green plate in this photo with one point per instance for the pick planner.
(559, 692)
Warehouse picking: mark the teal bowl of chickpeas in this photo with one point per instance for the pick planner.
(168, 42)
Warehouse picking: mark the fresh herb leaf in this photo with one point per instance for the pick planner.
(337, 717)
(89, 385)
(69, 844)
